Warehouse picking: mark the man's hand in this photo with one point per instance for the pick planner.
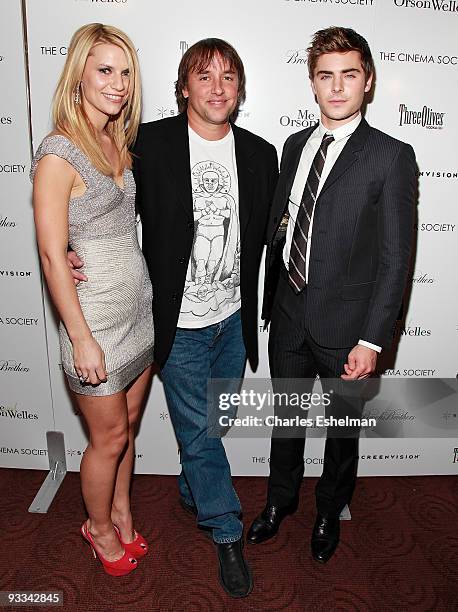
(361, 363)
(74, 262)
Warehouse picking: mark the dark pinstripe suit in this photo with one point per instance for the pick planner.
(360, 249)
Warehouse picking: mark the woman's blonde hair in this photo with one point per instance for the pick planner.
(69, 116)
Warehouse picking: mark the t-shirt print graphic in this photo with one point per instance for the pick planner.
(214, 274)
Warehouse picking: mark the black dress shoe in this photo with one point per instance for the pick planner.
(234, 572)
(325, 537)
(266, 525)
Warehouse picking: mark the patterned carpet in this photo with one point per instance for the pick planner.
(399, 553)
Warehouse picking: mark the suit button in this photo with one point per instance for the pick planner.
(174, 297)
(181, 260)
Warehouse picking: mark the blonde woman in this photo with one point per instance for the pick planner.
(84, 196)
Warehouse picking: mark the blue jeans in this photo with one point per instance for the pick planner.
(216, 351)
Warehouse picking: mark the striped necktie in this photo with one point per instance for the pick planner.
(296, 271)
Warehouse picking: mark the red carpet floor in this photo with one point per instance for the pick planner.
(400, 551)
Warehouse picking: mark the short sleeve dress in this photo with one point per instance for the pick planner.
(117, 298)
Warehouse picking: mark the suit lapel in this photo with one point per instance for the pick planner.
(291, 164)
(349, 154)
(180, 162)
(246, 177)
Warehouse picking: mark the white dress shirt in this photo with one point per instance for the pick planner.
(341, 136)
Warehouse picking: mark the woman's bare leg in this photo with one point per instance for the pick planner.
(107, 421)
(120, 510)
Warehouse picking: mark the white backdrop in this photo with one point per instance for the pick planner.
(25, 394)
(416, 62)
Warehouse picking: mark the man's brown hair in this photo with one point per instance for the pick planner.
(198, 57)
(339, 40)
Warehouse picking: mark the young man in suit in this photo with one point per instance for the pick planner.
(347, 194)
(204, 189)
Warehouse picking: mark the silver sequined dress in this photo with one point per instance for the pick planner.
(117, 298)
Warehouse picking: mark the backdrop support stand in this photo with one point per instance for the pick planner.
(345, 515)
(56, 475)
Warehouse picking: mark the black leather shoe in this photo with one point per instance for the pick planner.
(266, 525)
(325, 537)
(234, 572)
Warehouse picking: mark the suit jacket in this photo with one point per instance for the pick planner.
(361, 238)
(164, 199)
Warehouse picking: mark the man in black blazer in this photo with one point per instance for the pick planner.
(339, 234)
(204, 189)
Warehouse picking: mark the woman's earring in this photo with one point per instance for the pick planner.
(76, 95)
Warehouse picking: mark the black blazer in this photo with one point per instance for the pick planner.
(164, 199)
(361, 238)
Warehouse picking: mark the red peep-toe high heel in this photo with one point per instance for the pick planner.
(126, 564)
(138, 548)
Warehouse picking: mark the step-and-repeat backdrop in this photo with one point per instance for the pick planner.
(414, 48)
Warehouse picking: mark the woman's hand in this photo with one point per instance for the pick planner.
(89, 361)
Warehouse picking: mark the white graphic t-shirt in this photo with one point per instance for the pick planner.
(212, 288)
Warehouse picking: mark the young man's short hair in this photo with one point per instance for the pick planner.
(339, 40)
